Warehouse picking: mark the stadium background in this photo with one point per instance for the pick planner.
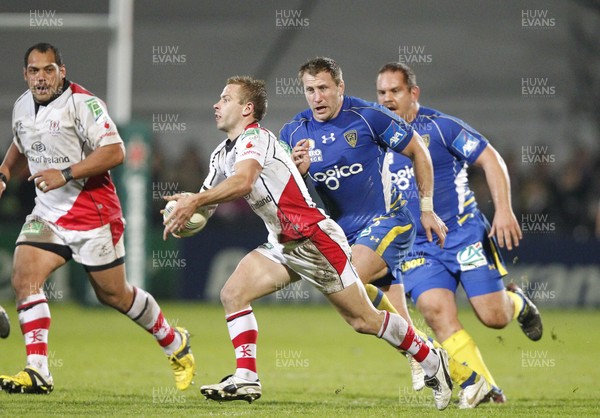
(523, 73)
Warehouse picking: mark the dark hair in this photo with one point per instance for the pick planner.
(253, 91)
(44, 47)
(320, 64)
(409, 75)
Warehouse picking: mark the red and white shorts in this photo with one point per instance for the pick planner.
(323, 259)
(96, 249)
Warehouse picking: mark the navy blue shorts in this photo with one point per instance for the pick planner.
(469, 257)
(391, 236)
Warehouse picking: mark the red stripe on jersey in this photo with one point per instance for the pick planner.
(96, 205)
(38, 348)
(331, 250)
(238, 314)
(246, 337)
(296, 217)
(76, 88)
(40, 323)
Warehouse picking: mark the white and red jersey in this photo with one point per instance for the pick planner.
(58, 135)
(279, 196)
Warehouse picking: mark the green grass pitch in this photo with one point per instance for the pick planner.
(310, 363)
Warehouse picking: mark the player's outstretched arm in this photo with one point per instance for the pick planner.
(234, 187)
(419, 154)
(505, 226)
(14, 162)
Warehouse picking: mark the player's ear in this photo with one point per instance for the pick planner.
(248, 109)
(415, 92)
(342, 87)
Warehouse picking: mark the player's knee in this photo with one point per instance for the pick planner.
(25, 285)
(232, 298)
(109, 299)
(440, 320)
(435, 316)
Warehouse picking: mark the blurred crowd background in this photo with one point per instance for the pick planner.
(567, 194)
(526, 75)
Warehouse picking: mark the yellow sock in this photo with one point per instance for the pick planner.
(463, 349)
(379, 299)
(459, 373)
(518, 303)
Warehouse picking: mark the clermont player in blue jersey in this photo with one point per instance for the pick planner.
(340, 144)
(470, 255)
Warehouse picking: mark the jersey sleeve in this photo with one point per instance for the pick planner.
(252, 144)
(286, 133)
(464, 142)
(215, 176)
(15, 128)
(95, 125)
(392, 131)
(215, 173)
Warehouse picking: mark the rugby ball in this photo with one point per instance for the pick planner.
(196, 223)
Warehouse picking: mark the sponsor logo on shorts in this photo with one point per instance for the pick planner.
(471, 257)
(411, 264)
(32, 228)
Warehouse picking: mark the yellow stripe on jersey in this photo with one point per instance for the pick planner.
(390, 237)
(468, 202)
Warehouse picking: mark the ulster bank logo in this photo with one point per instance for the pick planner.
(38, 146)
